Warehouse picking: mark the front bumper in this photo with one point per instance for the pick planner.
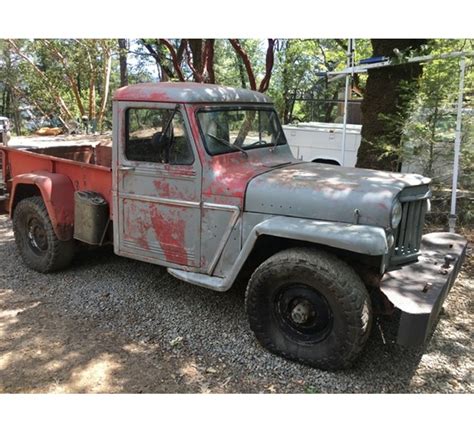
(418, 290)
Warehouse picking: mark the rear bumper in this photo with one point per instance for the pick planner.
(418, 290)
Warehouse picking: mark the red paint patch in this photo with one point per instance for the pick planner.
(170, 234)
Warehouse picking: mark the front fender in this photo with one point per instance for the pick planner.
(57, 192)
(361, 239)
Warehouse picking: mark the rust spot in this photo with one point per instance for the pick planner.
(170, 234)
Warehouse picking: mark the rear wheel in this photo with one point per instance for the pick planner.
(310, 306)
(37, 243)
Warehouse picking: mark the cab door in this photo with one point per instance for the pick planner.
(157, 185)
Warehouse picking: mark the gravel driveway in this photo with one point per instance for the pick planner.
(110, 324)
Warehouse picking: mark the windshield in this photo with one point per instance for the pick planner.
(228, 130)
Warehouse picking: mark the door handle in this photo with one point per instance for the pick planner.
(127, 168)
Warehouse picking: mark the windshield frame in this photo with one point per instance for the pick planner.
(240, 107)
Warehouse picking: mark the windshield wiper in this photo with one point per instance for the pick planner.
(164, 132)
(227, 143)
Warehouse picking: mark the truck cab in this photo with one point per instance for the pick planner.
(200, 179)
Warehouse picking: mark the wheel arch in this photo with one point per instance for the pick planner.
(355, 241)
(328, 161)
(366, 266)
(359, 245)
(57, 192)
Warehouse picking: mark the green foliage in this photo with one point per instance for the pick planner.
(229, 68)
(299, 72)
(65, 78)
(429, 132)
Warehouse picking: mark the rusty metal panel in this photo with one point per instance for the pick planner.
(218, 222)
(159, 204)
(329, 193)
(188, 92)
(419, 290)
(361, 239)
(83, 176)
(231, 251)
(229, 174)
(57, 192)
(167, 231)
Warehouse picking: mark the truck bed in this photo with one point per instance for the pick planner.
(88, 167)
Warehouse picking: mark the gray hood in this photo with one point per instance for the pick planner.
(330, 193)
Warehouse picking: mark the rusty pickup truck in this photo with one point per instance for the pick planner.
(200, 179)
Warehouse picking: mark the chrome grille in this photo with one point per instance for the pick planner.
(409, 231)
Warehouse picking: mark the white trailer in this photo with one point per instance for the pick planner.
(322, 142)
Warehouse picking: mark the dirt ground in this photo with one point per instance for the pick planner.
(49, 344)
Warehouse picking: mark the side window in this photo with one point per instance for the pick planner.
(157, 135)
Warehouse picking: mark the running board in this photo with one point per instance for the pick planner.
(214, 283)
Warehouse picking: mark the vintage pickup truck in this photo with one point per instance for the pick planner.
(200, 179)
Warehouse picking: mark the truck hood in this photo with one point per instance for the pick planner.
(330, 193)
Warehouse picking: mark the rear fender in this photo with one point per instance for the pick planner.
(57, 192)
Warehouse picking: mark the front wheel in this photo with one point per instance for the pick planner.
(37, 243)
(309, 306)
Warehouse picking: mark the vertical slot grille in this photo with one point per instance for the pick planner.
(409, 232)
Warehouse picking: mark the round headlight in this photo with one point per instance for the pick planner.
(396, 215)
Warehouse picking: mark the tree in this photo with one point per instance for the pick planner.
(123, 52)
(194, 60)
(269, 61)
(69, 78)
(229, 67)
(385, 106)
(429, 131)
(184, 59)
(9, 86)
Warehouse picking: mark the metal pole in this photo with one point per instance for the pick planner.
(350, 63)
(457, 147)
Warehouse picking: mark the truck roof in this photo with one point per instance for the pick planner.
(188, 92)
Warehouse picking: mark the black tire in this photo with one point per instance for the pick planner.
(309, 306)
(39, 247)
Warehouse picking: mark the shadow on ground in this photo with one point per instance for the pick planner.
(79, 338)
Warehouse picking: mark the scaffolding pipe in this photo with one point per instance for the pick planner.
(457, 147)
(350, 64)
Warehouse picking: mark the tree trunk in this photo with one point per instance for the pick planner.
(385, 106)
(16, 114)
(106, 86)
(123, 52)
(246, 61)
(241, 73)
(196, 47)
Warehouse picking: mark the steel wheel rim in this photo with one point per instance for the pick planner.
(36, 236)
(303, 313)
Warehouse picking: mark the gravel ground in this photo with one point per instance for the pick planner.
(110, 324)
